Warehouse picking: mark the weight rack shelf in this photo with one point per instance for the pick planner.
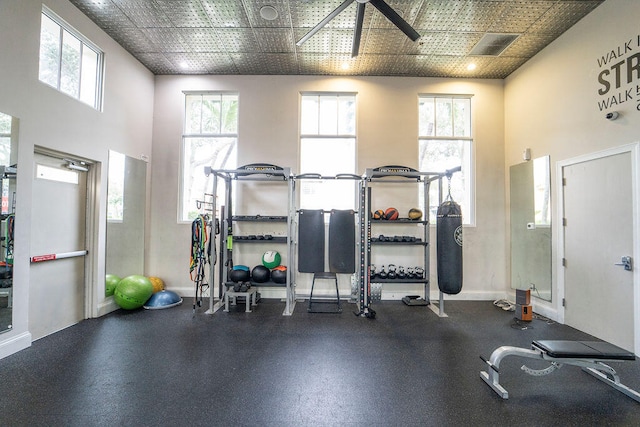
(403, 221)
(268, 284)
(258, 218)
(376, 280)
(246, 239)
(378, 242)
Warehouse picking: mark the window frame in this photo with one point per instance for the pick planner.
(64, 26)
(338, 135)
(186, 136)
(468, 169)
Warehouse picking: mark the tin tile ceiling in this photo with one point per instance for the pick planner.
(232, 37)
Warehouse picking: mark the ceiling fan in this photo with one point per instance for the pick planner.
(381, 5)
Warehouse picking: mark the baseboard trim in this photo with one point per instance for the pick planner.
(107, 307)
(15, 344)
(270, 292)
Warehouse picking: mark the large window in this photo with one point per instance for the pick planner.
(445, 142)
(328, 148)
(210, 139)
(68, 61)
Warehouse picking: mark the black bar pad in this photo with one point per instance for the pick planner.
(449, 249)
(342, 241)
(561, 349)
(310, 241)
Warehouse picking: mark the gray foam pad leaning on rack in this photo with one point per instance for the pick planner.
(342, 241)
(311, 240)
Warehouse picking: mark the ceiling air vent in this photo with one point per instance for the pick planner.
(493, 44)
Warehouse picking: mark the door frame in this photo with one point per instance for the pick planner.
(92, 219)
(634, 150)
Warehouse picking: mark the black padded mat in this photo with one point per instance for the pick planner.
(583, 349)
(310, 240)
(342, 241)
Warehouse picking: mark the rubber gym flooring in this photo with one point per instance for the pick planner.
(406, 367)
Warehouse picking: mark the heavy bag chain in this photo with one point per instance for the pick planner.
(448, 198)
(453, 211)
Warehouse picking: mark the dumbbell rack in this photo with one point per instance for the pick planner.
(401, 175)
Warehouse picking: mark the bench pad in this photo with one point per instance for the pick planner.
(600, 350)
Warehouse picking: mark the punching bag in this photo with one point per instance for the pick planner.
(449, 249)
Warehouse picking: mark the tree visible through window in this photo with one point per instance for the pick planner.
(68, 61)
(210, 139)
(445, 142)
(328, 148)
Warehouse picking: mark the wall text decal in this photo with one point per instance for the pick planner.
(619, 77)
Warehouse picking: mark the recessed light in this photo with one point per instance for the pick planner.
(471, 66)
(345, 66)
(268, 12)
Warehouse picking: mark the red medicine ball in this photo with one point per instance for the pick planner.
(391, 213)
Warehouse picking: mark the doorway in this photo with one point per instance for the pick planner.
(58, 278)
(599, 212)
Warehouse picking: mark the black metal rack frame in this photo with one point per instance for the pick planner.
(253, 172)
(399, 174)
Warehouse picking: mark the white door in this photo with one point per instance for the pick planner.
(598, 232)
(58, 218)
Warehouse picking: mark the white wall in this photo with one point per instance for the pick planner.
(53, 120)
(387, 134)
(552, 102)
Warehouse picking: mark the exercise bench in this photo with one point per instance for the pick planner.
(589, 355)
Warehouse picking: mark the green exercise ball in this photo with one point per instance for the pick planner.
(133, 291)
(110, 283)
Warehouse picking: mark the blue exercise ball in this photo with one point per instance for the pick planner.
(163, 299)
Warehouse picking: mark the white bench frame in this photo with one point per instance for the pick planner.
(597, 368)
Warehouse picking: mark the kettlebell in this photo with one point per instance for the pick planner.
(392, 272)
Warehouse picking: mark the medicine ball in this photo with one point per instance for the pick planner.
(239, 273)
(415, 213)
(271, 259)
(379, 214)
(260, 274)
(279, 274)
(391, 214)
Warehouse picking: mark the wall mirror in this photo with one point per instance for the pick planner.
(8, 169)
(126, 209)
(530, 214)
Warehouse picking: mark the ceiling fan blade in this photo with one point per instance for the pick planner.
(397, 20)
(358, 31)
(324, 22)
